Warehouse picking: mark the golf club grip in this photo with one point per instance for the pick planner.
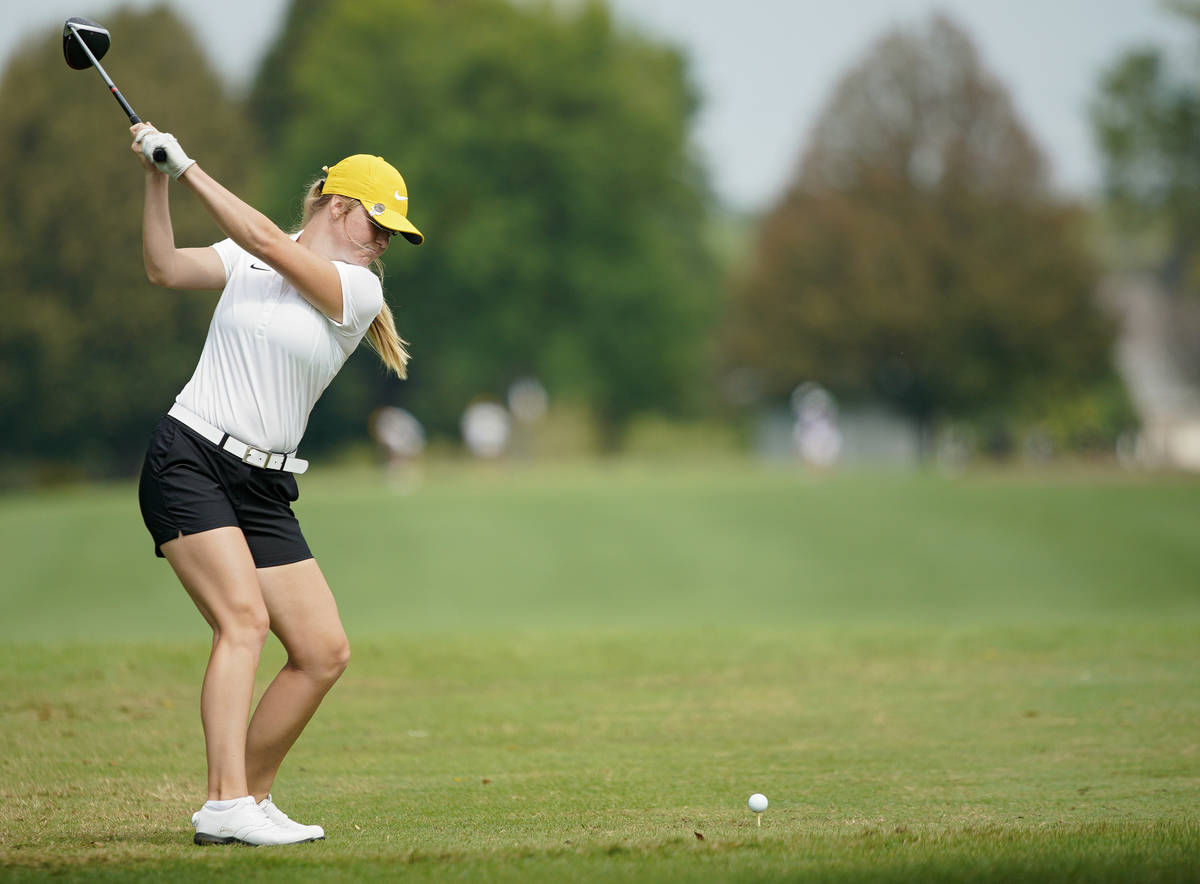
(160, 153)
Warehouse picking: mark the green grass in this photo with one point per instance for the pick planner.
(619, 547)
(567, 674)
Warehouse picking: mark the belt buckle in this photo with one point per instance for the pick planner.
(255, 457)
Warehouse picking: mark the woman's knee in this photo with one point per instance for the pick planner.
(246, 624)
(324, 660)
(340, 657)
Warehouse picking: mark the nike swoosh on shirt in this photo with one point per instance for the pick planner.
(256, 267)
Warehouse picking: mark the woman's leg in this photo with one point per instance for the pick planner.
(305, 617)
(216, 569)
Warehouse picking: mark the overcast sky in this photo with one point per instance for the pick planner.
(766, 67)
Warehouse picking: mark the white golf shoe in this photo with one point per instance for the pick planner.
(279, 818)
(244, 823)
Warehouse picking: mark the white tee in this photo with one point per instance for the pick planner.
(270, 354)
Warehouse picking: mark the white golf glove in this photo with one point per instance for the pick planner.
(176, 163)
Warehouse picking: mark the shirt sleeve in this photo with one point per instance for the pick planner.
(228, 251)
(362, 298)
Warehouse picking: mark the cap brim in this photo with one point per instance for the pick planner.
(393, 220)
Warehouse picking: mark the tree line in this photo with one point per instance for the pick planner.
(918, 257)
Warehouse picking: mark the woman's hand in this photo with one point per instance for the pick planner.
(136, 147)
(160, 150)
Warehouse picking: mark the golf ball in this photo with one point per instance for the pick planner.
(758, 802)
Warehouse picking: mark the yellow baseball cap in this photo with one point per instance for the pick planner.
(379, 187)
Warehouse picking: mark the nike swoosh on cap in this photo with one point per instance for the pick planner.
(398, 196)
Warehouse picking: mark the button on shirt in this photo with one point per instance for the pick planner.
(270, 354)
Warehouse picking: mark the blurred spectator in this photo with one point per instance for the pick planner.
(528, 400)
(815, 434)
(486, 427)
(402, 439)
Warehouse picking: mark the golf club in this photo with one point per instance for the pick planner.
(84, 44)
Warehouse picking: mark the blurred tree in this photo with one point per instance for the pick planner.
(93, 354)
(919, 258)
(1146, 120)
(547, 161)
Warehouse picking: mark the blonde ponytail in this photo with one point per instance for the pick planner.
(384, 340)
(382, 334)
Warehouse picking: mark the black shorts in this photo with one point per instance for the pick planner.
(190, 485)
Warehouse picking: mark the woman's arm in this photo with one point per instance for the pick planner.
(314, 277)
(197, 269)
(317, 280)
(165, 264)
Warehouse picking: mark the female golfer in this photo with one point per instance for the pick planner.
(219, 475)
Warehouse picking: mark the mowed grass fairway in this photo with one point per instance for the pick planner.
(582, 673)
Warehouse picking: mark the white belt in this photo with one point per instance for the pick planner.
(256, 457)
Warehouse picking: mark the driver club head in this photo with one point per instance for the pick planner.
(78, 32)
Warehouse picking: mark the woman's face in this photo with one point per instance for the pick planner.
(365, 239)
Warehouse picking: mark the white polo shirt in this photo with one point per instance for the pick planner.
(270, 353)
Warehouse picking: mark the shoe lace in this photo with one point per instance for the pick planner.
(272, 810)
(263, 822)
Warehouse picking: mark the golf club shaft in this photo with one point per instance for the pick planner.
(133, 118)
(159, 154)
